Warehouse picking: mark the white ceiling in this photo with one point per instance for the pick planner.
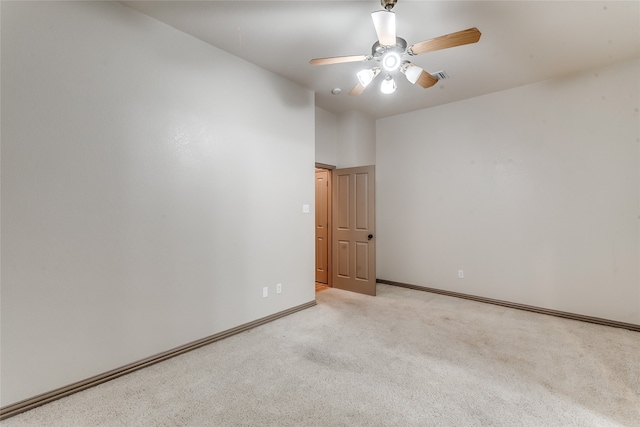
(522, 42)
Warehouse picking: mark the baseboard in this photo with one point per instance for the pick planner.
(563, 314)
(27, 404)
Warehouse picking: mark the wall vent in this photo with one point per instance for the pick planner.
(440, 75)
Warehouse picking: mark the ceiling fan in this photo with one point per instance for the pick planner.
(390, 50)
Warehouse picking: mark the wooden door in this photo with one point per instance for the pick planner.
(354, 247)
(323, 218)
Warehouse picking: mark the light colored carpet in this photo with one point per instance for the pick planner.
(403, 358)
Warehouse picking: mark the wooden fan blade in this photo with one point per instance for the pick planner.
(357, 90)
(426, 80)
(338, 60)
(468, 36)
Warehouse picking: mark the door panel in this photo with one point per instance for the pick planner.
(361, 201)
(362, 261)
(354, 254)
(322, 261)
(343, 261)
(342, 204)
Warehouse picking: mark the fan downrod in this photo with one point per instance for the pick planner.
(388, 4)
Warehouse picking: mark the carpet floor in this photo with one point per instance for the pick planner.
(403, 358)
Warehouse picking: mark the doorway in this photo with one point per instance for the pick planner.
(323, 227)
(345, 228)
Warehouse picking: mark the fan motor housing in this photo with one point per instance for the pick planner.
(388, 4)
(378, 51)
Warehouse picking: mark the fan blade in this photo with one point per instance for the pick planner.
(385, 23)
(426, 80)
(338, 59)
(471, 35)
(357, 89)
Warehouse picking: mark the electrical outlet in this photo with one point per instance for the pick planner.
(279, 288)
(265, 292)
(461, 274)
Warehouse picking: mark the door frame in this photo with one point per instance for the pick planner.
(330, 219)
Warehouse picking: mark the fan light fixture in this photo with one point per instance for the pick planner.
(365, 77)
(388, 85)
(412, 72)
(391, 61)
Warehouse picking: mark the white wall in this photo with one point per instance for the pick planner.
(534, 192)
(151, 186)
(356, 139)
(345, 140)
(326, 137)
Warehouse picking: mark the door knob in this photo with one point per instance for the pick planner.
(370, 236)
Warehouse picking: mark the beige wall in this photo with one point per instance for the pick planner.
(534, 192)
(144, 204)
